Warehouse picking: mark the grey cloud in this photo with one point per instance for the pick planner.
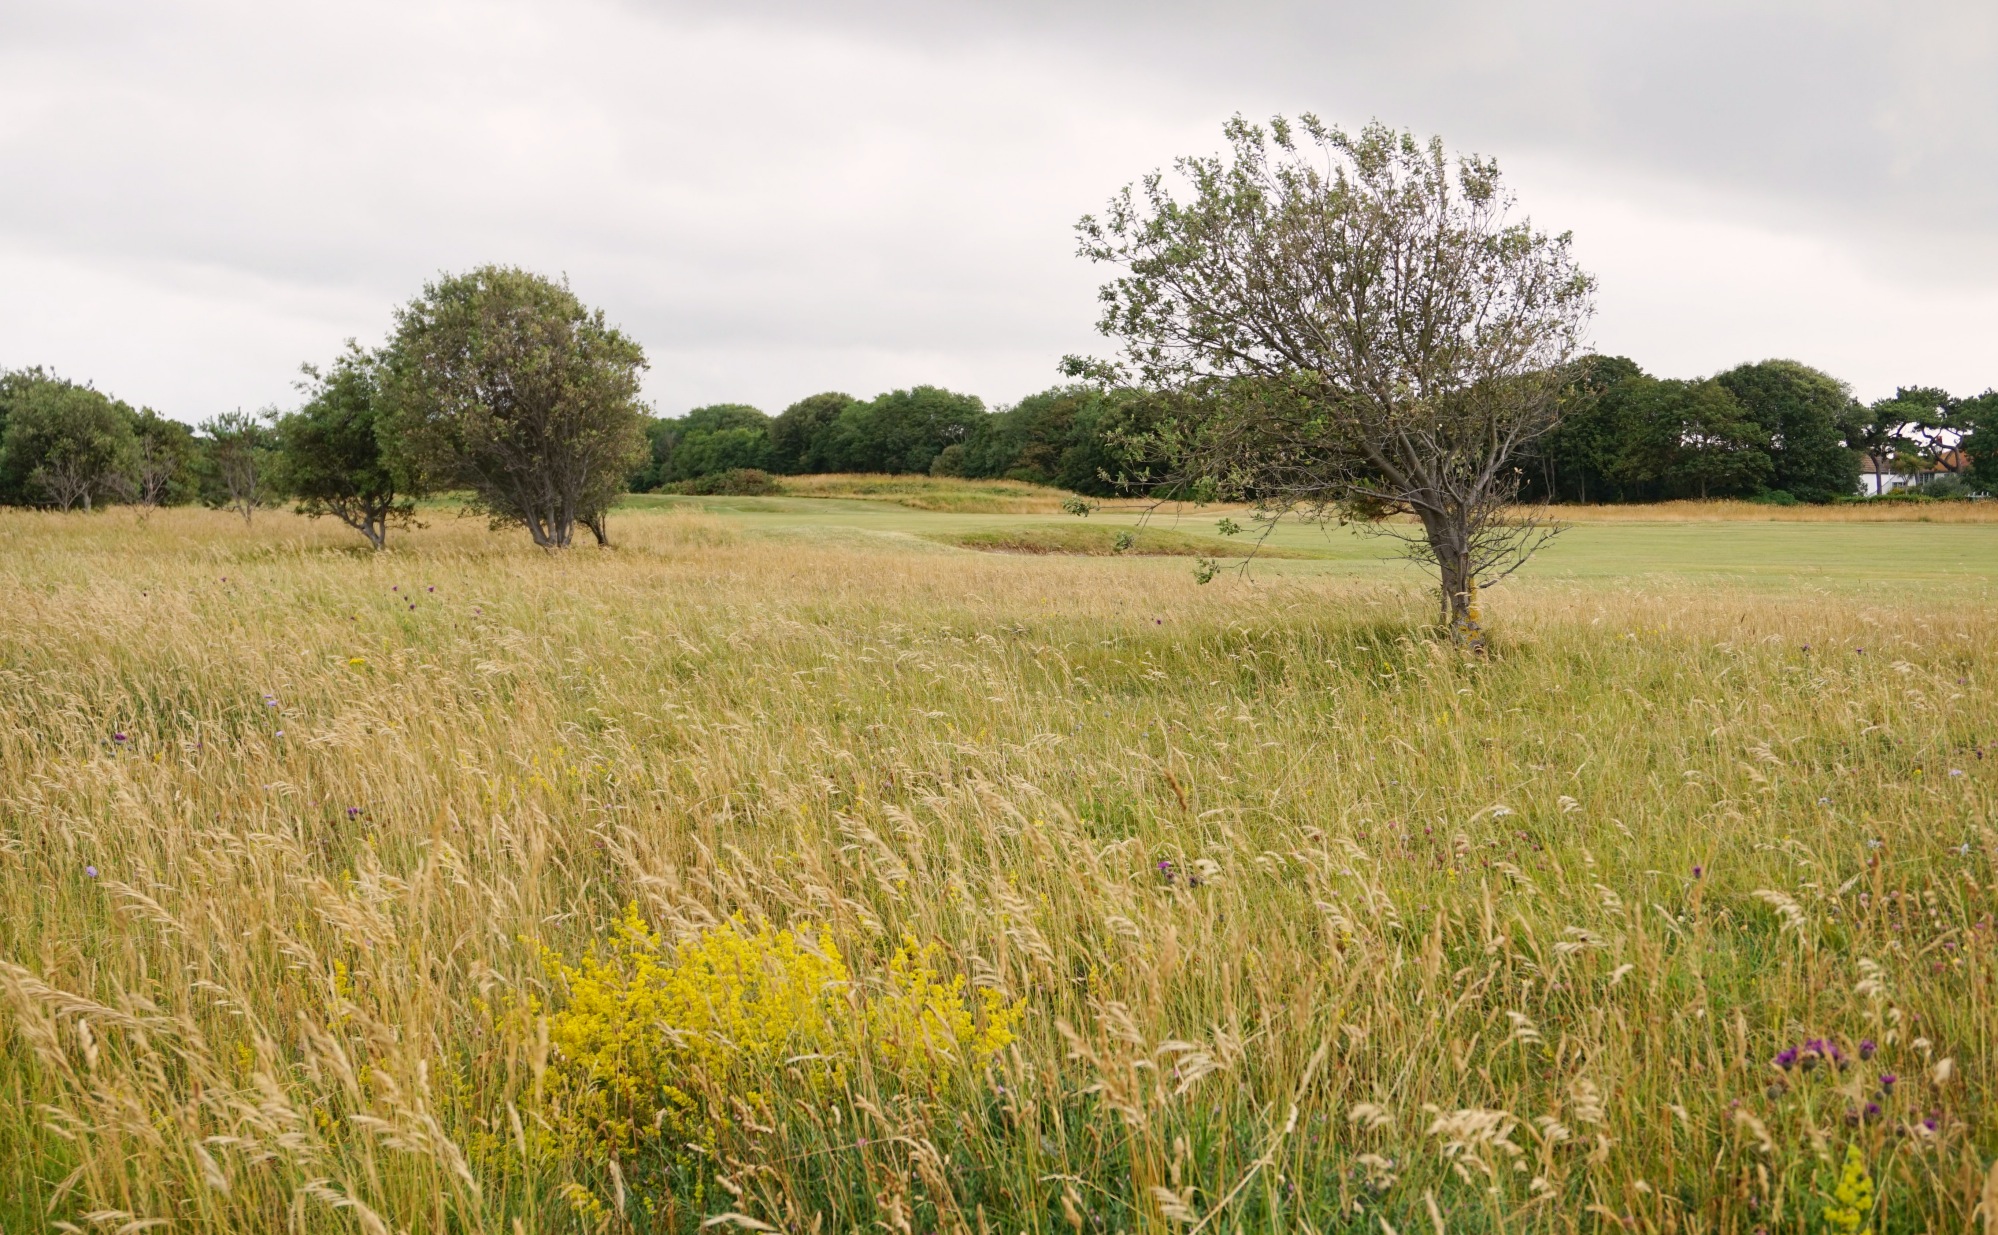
(1879, 118)
(778, 197)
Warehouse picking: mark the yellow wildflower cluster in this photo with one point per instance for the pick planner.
(654, 1042)
(1854, 1195)
(921, 1022)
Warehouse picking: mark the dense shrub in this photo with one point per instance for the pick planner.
(736, 482)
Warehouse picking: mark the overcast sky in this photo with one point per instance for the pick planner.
(778, 197)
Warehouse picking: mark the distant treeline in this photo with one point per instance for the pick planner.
(1775, 431)
(67, 445)
(1064, 437)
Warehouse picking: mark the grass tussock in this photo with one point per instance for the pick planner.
(970, 893)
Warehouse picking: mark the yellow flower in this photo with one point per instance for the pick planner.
(655, 1045)
(1854, 1195)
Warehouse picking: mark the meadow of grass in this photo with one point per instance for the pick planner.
(318, 871)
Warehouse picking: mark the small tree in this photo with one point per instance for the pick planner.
(157, 469)
(236, 456)
(502, 382)
(1356, 328)
(329, 454)
(64, 443)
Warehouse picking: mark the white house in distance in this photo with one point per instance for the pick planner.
(1878, 475)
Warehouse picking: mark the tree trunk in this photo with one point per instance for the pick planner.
(596, 525)
(1461, 615)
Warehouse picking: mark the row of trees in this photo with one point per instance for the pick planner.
(1777, 428)
(70, 446)
(1066, 436)
(499, 384)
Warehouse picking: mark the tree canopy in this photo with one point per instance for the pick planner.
(330, 457)
(1358, 325)
(501, 382)
(63, 444)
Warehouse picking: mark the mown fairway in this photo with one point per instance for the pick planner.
(1312, 925)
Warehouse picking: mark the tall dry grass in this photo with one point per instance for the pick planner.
(1317, 927)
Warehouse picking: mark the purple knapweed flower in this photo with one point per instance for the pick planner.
(90, 872)
(1786, 1058)
(118, 736)
(1872, 1110)
(1698, 871)
(1866, 1048)
(1929, 1123)
(353, 812)
(1887, 1080)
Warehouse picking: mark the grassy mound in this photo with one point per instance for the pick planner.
(940, 493)
(1101, 540)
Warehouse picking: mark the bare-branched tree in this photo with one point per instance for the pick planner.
(1350, 326)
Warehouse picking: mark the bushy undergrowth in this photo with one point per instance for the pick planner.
(735, 482)
(975, 893)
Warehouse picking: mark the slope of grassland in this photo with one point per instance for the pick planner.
(1311, 925)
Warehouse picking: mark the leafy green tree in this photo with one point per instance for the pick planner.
(1807, 415)
(1575, 460)
(901, 431)
(234, 456)
(329, 452)
(1717, 448)
(1916, 430)
(160, 470)
(503, 383)
(1360, 326)
(724, 437)
(1064, 436)
(801, 437)
(1978, 419)
(63, 444)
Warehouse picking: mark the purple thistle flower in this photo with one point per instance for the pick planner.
(1866, 1048)
(1887, 1080)
(118, 736)
(1786, 1058)
(353, 812)
(1929, 1123)
(90, 872)
(1873, 1110)
(1698, 871)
